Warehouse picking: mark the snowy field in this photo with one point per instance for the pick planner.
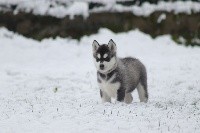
(50, 86)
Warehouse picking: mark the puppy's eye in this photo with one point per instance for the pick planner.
(97, 59)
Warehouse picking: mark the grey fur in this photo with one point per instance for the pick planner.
(126, 74)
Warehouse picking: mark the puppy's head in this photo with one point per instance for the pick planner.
(104, 56)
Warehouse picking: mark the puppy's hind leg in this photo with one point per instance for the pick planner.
(128, 98)
(142, 92)
(142, 87)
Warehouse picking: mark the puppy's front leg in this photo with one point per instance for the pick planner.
(104, 97)
(120, 94)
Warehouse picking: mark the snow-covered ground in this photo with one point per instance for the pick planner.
(61, 8)
(50, 86)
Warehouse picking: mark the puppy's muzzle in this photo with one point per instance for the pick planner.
(101, 66)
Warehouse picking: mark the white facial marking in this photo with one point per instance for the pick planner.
(105, 55)
(98, 55)
(96, 63)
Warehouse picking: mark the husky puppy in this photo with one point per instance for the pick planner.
(116, 77)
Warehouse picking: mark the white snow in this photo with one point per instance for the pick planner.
(47, 7)
(161, 17)
(50, 86)
(62, 8)
(146, 8)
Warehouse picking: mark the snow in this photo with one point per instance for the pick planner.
(47, 7)
(50, 86)
(161, 17)
(146, 8)
(62, 8)
(76, 8)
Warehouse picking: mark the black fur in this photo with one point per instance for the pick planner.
(120, 94)
(103, 49)
(105, 76)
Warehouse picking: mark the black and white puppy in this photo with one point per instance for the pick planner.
(116, 77)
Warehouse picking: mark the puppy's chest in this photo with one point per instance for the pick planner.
(108, 85)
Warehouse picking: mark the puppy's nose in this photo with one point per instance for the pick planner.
(101, 66)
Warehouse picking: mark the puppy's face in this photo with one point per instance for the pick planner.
(104, 56)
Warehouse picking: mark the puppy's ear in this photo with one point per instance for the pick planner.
(95, 45)
(112, 46)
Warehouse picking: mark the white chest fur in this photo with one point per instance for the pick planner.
(108, 87)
